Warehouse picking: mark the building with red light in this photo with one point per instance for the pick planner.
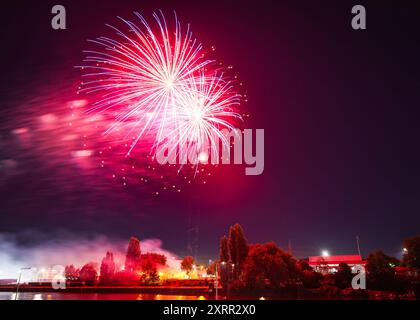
(329, 264)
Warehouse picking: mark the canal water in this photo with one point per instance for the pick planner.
(93, 296)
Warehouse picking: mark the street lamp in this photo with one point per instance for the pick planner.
(18, 282)
(405, 251)
(216, 282)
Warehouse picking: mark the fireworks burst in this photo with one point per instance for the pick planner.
(159, 84)
(202, 112)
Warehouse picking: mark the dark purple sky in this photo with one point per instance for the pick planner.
(339, 108)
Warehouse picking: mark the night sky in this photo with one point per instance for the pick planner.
(339, 108)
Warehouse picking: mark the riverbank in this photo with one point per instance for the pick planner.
(167, 290)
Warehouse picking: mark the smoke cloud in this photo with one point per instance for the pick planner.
(52, 251)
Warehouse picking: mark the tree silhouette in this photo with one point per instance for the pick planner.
(88, 274)
(342, 278)
(304, 265)
(211, 269)
(133, 256)
(238, 248)
(268, 262)
(107, 268)
(71, 273)
(412, 252)
(224, 249)
(149, 265)
(187, 264)
(380, 269)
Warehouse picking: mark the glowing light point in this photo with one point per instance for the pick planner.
(203, 157)
(325, 253)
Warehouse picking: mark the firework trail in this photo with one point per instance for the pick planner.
(159, 84)
(202, 113)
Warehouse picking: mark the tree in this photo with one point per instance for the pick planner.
(107, 268)
(224, 249)
(267, 262)
(125, 278)
(133, 256)
(149, 265)
(380, 270)
(311, 279)
(71, 273)
(379, 263)
(187, 264)
(225, 261)
(153, 277)
(412, 252)
(156, 258)
(238, 248)
(343, 277)
(303, 265)
(88, 273)
(211, 269)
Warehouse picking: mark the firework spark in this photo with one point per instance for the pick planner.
(202, 112)
(159, 84)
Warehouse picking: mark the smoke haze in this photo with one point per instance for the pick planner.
(70, 250)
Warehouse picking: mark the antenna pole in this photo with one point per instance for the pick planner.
(358, 245)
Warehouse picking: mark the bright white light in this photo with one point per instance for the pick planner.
(325, 253)
(197, 115)
(203, 157)
(81, 153)
(169, 84)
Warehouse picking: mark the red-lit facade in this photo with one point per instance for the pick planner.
(329, 264)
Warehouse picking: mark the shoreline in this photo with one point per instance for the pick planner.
(201, 290)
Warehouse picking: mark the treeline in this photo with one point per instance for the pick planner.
(139, 269)
(252, 268)
(245, 267)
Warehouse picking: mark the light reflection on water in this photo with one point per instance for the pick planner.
(93, 296)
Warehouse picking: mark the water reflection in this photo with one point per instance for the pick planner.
(93, 296)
